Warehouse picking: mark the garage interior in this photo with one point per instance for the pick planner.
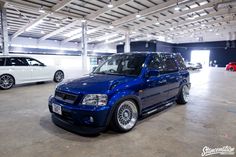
(77, 34)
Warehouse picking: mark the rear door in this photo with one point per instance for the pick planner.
(38, 70)
(173, 76)
(18, 67)
(155, 90)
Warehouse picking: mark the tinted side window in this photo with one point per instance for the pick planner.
(180, 61)
(33, 62)
(156, 63)
(2, 61)
(170, 65)
(16, 61)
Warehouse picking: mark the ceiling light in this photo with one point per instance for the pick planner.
(42, 32)
(83, 20)
(57, 24)
(41, 10)
(109, 5)
(111, 26)
(177, 8)
(138, 16)
(203, 25)
(217, 34)
(171, 29)
(210, 30)
(8, 27)
(157, 23)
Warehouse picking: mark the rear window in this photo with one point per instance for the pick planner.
(180, 62)
(16, 61)
(2, 60)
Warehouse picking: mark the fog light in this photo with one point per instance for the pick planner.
(91, 119)
(88, 120)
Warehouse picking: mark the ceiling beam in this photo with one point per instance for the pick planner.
(57, 31)
(105, 37)
(167, 27)
(115, 4)
(207, 25)
(55, 8)
(79, 35)
(148, 11)
(175, 15)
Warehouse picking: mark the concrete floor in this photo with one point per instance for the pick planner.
(209, 119)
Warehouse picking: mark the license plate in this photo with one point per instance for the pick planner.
(57, 109)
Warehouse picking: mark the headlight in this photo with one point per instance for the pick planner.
(95, 99)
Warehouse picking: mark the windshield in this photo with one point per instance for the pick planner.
(129, 64)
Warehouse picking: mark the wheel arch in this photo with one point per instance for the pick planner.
(11, 76)
(134, 98)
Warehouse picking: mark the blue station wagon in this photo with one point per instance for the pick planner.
(122, 89)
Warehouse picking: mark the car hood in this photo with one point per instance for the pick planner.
(95, 83)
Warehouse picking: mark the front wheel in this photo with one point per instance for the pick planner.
(58, 76)
(125, 116)
(231, 69)
(6, 81)
(183, 95)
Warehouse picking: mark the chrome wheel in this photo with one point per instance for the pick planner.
(59, 76)
(6, 81)
(185, 91)
(127, 115)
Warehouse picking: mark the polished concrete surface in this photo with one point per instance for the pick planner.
(209, 119)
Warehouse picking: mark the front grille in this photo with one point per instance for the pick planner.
(66, 97)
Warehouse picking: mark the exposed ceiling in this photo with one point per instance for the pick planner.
(166, 20)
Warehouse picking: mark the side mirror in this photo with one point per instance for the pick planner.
(153, 73)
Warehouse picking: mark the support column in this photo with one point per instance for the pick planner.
(84, 45)
(4, 30)
(127, 42)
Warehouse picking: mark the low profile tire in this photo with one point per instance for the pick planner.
(6, 81)
(183, 95)
(58, 76)
(231, 69)
(125, 116)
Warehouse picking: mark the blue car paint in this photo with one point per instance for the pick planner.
(148, 93)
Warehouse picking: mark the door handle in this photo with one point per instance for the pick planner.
(162, 81)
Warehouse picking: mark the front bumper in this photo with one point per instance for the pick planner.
(79, 118)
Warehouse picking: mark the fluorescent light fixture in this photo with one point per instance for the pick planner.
(83, 20)
(177, 8)
(110, 5)
(157, 23)
(217, 33)
(203, 25)
(41, 11)
(57, 24)
(138, 16)
(210, 30)
(34, 25)
(8, 27)
(171, 28)
(111, 26)
(74, 32)
(42, 32)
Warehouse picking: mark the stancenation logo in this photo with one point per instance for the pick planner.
(225, 150)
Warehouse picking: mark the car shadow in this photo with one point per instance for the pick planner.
(47, 124)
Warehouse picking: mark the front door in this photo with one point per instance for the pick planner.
(155, 87)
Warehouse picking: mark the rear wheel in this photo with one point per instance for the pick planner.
(6, 81)
(183, 95)
(58, 76)
(231, 69)
(125, 116)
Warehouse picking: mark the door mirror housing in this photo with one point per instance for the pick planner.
(153, 73)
